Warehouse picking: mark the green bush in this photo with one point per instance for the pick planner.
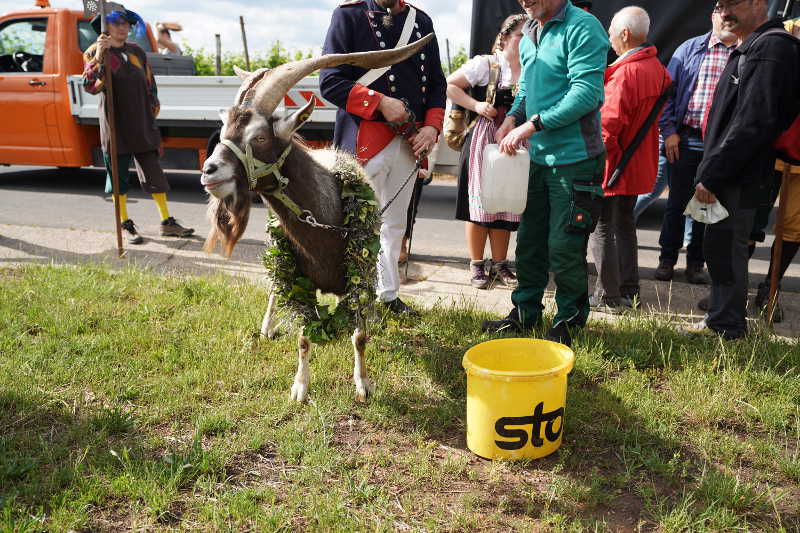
(205, 61)
(458, 59)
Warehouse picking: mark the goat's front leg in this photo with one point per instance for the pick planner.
(301, 378)
(267, 328)
(364, 387)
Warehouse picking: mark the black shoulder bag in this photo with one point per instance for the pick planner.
(640, 135)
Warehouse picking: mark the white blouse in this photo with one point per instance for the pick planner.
(477, 70)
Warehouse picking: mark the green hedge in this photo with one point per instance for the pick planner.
(205, 62)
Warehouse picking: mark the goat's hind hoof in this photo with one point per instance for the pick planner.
(364, 389)
(299, 392)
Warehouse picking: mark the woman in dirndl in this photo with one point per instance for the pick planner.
(480, 225)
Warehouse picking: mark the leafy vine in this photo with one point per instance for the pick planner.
(298, 294)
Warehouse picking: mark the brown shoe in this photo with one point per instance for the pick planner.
(171, 228)
(664, 272)
(695, 275)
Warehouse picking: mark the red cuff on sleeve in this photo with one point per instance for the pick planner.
(363, 102)
(435, 117)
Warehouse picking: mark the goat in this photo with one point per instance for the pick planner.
(251, 135)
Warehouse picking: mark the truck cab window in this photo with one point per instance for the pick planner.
(22, 45)
(87, 36)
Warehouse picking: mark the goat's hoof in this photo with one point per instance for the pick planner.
(364, 389)
(299, 392)
(269, 334)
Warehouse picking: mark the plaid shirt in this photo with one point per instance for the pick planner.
(710, 70)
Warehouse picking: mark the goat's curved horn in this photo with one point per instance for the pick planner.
(242, 73)
(277, 82)
(250, 80)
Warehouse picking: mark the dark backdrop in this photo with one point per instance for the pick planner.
(671, 21)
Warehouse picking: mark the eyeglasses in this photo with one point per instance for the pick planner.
(719, 7)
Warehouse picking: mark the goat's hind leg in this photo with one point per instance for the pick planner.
(364, 387)
(267, 327)
(299, 391)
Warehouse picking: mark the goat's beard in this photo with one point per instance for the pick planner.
(228, 219)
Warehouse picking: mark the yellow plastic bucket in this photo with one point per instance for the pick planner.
(516, 396)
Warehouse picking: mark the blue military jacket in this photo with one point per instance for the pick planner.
(359, 26)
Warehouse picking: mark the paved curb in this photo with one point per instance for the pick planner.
(433, 281)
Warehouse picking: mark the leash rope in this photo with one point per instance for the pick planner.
(404, 129)
(417, 166)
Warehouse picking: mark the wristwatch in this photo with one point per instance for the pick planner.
(536, 120)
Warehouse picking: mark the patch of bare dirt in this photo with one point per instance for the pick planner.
(503, 495)
(261, 467)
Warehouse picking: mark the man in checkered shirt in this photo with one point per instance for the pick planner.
(696, 67)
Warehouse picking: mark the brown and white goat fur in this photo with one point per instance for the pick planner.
(319, 253)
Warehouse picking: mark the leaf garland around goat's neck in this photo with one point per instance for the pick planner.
(298, 295)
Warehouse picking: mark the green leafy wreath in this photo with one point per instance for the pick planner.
(298, 294)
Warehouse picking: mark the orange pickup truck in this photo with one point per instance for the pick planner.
(47, 119)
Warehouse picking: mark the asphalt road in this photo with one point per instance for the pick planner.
(47, 197)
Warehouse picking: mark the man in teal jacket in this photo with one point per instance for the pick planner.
(563, 55)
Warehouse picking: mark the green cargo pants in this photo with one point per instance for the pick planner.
(562, 209)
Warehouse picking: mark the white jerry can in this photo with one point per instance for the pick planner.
(504, 181)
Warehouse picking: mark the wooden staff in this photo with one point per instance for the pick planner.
(777, 246)
(112, 129)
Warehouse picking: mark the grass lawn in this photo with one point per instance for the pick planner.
(133, 401)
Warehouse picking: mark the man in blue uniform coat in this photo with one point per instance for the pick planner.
(369, 100)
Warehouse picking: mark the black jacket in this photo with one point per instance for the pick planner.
(357, 26)
(748, 114)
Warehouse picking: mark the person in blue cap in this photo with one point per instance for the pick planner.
(135, 108)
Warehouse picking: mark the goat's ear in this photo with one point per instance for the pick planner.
(242, 73)
(285, 127)
(223, 116)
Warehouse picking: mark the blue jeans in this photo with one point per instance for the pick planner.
(662, 180)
